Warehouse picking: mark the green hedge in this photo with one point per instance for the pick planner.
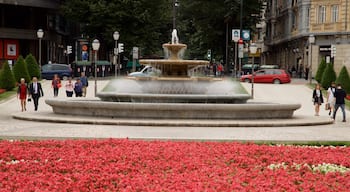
(7, 80)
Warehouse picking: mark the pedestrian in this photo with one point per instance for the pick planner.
(22, 93)
(56, 85)
(220, 69)
(78, 88)
(35, 92)
(69, 87)
(84, 81)
(215, 69)
(339, 95)
(330, 98)
(317, 99)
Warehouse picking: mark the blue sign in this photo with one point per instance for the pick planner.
(246, 35)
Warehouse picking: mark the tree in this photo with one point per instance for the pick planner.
(32, 66)
(20, 70)
(320, 71)
(7, 80)
(141, 23)
(328, 76)
(344, 79)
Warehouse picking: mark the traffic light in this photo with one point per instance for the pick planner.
(333, 51)
(69, 49)
(120, 47)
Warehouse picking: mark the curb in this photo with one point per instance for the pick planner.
(57, 118)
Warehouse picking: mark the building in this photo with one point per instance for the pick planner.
(19, 23)
(291, 23)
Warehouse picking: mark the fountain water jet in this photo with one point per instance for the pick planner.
(173, 95)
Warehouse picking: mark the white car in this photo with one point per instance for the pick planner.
(146, 72)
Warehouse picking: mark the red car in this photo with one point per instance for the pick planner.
(276, 76)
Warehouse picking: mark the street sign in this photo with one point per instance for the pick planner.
(236, 35)
(135, 52)
(246, 35)
(240, 49)
(69, 49)
(120, 47)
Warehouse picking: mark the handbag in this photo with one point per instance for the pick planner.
(29, 99)
(327, 107)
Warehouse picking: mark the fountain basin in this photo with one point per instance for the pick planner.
(83, 107)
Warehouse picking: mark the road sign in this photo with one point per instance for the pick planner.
(240, 49)
(246, 35)
(69, 49)
(236, 35)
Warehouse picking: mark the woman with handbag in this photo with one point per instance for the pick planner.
(317, 98)
(22, 93)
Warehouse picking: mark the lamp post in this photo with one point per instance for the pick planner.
(95, 47)
(253, 48)
(40, 35)
(175, 5)
(311, 42)
(116, 37)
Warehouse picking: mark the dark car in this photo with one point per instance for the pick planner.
(62, 70)
(275, 76)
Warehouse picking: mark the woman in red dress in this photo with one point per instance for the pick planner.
(22, 93)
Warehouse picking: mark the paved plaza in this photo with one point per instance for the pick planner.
(239, 130)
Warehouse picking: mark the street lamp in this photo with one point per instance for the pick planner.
(311, 42)
(95, 47)
(253, 48)
(175, 5)
(40, 35)
(116, 37)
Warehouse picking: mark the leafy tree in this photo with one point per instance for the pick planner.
(141, 23)
(20, 70)
(32, 65)
(344, 79)
(7, 80)
(148, 24)
(320, 71)
(328, 76)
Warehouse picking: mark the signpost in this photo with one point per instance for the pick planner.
(235, 37)
(135, 55)
(240, 55)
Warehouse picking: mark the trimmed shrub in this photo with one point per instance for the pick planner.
(344, 79)
(328, 76)
(33, 66)
(7, 80)
(320, 70)
(20, 70)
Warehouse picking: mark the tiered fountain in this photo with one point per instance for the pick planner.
(173, 95)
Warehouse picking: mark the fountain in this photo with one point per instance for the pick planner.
(173, 95)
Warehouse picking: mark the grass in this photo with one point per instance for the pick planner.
(7, 95)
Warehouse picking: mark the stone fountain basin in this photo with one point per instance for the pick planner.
(98, 108)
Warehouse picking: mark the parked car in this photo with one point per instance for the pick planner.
(146, 72)
(247, 68)
(62, 70)
(276, 76)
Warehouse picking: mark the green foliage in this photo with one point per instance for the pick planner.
(7, 80)
(344, 79)
(148, 24)
(32, 66)
(320, 70)
(328, 76)
(203, 23)
(20, 70)
(141, 23)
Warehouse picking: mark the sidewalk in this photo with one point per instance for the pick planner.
(290, 93)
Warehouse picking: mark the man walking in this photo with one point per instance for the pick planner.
(339, 95)
(84, 82)
(35, 91)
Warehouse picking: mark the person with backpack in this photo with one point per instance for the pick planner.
(330, 98)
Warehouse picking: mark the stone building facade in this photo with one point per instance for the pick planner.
(289, 24)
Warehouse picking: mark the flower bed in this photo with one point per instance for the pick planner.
(124, 165)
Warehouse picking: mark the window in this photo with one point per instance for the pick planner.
(322, 14)
(335, 13)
